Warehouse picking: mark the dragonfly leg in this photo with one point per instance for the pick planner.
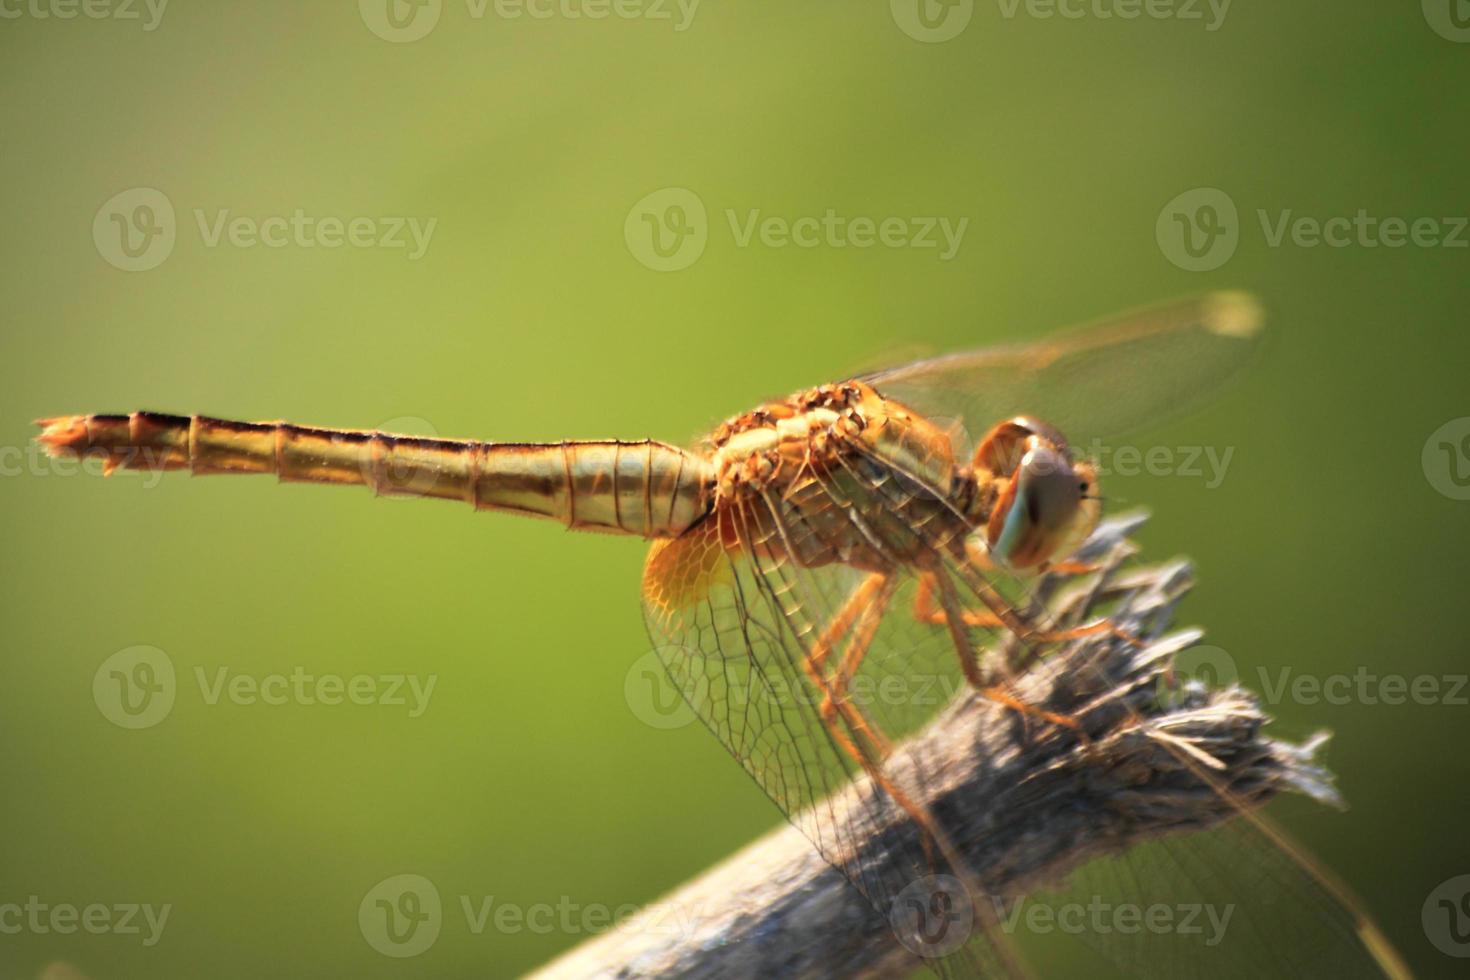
(862, 597)
(874, 596)
(845, 721)
(865, 607)
(1069, 567)
(926, 612)
(952, 615)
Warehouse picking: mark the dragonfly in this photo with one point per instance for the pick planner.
(820, 544)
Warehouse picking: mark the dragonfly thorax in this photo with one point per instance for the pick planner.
(780, 442)
(802, 473)
(817, 465)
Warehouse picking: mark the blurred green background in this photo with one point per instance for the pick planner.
(1330, 544)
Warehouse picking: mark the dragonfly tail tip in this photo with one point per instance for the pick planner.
(62, 434)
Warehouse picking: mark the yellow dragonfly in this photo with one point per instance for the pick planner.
(880, 527)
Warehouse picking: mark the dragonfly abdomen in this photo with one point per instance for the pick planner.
(645, 488)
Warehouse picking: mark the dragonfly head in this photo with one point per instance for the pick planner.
(1047, 503)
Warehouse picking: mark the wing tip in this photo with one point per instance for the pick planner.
(1388, 959)
(1234, 313)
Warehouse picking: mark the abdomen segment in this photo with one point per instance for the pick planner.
(644, 487)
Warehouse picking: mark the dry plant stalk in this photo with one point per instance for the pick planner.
(1024, 806)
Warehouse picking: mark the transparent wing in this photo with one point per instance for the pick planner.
(737, 620)
(1090, 382)
(754, 641)
(1240, 900)
(747, 635)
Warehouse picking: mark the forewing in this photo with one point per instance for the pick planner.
(729, 651)
(735, 619)
(1236, 901)
(1091, 382)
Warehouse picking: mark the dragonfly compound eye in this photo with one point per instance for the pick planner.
(1001, 450)
(1045, 510)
